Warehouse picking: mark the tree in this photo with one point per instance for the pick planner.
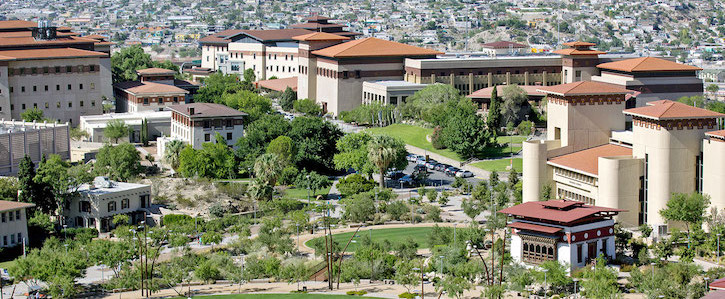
(600, 282)
(213, 160)
(467, 135)
(713, 88)
(307, 107)
(288, 98)
(206, 271)
(215, 86)
(315, 140)
(9, 189)
(284, 148)
(645, 229)
(267, 168)
(556, 276)
(145, 132)
(312, 180)
(353, 153)
(494, 111)
(687, 208)
(249, 76)
(384, 151)
(62, 179)
(126, 62)
(454, 285)
(115, 129)
(545, 193)
(32, 191)
(359, 208)
(354, 184)
(32, 114)
(121, 162)
(53, 266)
(405, 275)
(472, 207)
(172, 152)
(426, 103)
(77, 134)
(249, 102)
(514, 98)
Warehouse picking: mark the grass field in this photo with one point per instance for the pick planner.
(5, 265)
(394, 235)
(302, 193)
(499, 165)
(282, 296)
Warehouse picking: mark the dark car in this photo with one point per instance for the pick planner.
(420, 168)
(407, 180)
(395, 174)
(451, 171)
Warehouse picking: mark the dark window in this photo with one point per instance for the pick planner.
(45, 70)
(207, 137)
(70, 104)
(579, 253)
(176, 99)
(207, 124)
(57, 87)
(80, 86)
(124, 203)
(68, 69)
(161, 101)
(230, 123)
(92, 68)
(35, 88)
(46, 88)
(17, 216)
(22, 89)
(81, 103)
(57, 69)
(145, 101)
(11, 89)
(23, 106)
(229, 136)
(70, 87)
(357, 74)
(112, 206)
(34, 70)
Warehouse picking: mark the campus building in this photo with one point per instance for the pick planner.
(52, 69)
(13, 223)
(197, 123)
(35, 140)
(98, 202)
(570, 232)
(268, 52)
(158, 124)
(591, 155)
(155, 90)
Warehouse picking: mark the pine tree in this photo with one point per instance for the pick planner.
(145, 132)
(494, 111)
(31, 190)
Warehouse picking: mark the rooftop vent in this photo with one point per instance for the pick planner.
(102, 182)
(45, 31)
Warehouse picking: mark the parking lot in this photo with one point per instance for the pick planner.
(435, 178)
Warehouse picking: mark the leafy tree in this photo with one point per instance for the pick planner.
(557, 278)
(494, 111)
(353, 153)
(259, 190)
(31, 190)
(359, 207)
(115, 129)
(286, 101)
(546, 193)
(514, 98)
(312, 180)
(215, 86)
(62, 178)
(525, 127)
(600, 282)
(121, 162)
(268, 168)
(145, 132)
(307, 107)
(213, 160)
(405, 275)
(249, 102)
(52, 265)
(645, 229)
(126, 62)
(315, 139)
(384, 151)
(249, 76)
(467, 135)
(453, 285)
(687, 208)
(273, 236)
(712, 88)
(258, 134)
(77, 134)
(284, 148)
(172, 152)
(472, 207)
(9, 188)
(426, 104)
(207, 271)
(696, 101)
(32, 114)
(716, 106)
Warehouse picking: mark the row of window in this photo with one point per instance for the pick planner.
(286, 57)
(47, 70)
(481, 73)
(10, 216)
(566, 194)
(85, 206)
(160, 101)
(12, 240)
(57, 87)
(575, 176)
(272, 68)
(47, 105)
(207, 137)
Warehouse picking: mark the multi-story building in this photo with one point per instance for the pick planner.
(570, 232)
(19, 138)
(96, 203)
(13, 223)
(197, 123)
(270, 53)
(590, 155)
(156, 90)
(53, 70)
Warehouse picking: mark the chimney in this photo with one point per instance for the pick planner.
(191, 110)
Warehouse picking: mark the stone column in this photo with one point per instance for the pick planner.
(526, 78)
(470, 83)
(453, 79)
(543, 78)
(508, 78)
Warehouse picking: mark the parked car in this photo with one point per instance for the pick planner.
(421, 161)
(451, 171)
(395, 174)
(411, 157)
(420, 167)
(464, 174)
(431, 165)
(441, 167)
(407, 180)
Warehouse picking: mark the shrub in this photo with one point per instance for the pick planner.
(217, 210)
(357, 293)
(354, 184)
(288, 175)
(407, 295)
(307, 107)
(525, 127)
(396, 209)
(626, 268)
(172, 219)
(443, 199)
(436, 139)
(432, 195)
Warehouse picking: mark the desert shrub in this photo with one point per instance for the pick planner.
(354, 184)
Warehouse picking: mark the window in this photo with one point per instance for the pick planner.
(207, 137)
(35, 88)
(229, 136)
(57, 87)
(11, 216)
(57, 105)
(70, 87)
(92, 68)
(35, 105)
(17, 215)
(3, 217)
(81, 103)
(46, 88)
(70, 104)
(112, 206)
(80, 86)
(161, 101)
(578, 74)
(12, 239)
(5, 240)
(579, 253)
(176, 99)
(93, 103)
(22, 89)
(84, 206)
(145, 101)
(57, 69)
(698, 173)
(23, 105)
(93, 85)
(11, 89)
(68, 69)
(46, 105)
(207, 124)
(124, 203)
(45, 70)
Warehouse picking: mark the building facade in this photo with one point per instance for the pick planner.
(19, 138)
(569, 232)
(197, 123)
(156, 90)
(158, 123)
(97, 203)
(13, 223)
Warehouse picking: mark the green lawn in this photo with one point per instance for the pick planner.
(5, 265)
(283, 296)
(416, 136)
(302, 193)
(394, 235)
(499, 165)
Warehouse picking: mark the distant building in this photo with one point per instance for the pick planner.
(197, 123)
(19, 138)
(13, 223)
(389, 92)
(96, 203)
(569, 232)
(502, 48)
(156, 90)
(159, 124)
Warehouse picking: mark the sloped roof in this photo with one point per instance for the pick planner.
(141, 88)
(320, 36)
(647, 64)
(588, 160)
(573, 51)
(373, 47)
(30, 54)
(535, 227)
(717, 134)
(579, 44)
(14, 205)
(583, 88)
(278, 84)
(539, 210)
(503, 45)
(318, 18)
(155, 71)
(17, 24)
(276, 35)
(666, 109)
(485, 93)
(207, 110)
(30, 41)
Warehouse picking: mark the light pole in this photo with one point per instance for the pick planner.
(545, 284)
(65, 232)
(422, 292)
(653, 272)
(575, 294)
(718, 248)
(706, 279)
(441, 268)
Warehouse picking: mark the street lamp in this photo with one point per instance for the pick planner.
(706, 279)
(441, 268)
(718, 248)
(575, 281)
(545, 284)
(422, 292)
(653, 272)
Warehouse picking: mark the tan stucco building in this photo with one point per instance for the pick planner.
(13, 223)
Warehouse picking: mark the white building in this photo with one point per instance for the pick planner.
(20, 138)
(13, 222)
(389, 92)
(159, 124)
(198, 123)
(97, 203)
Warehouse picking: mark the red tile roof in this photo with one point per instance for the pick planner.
(373, 47)
(717, 134)
(588, 160)
(155, 71)
(534, 227)
(318, 18)
(207, 110)
(647, 64)
(14, 205)
(17, 24)
(504, 45)
(262, 35)
(149, 88)
(278, 84)
(579, 44)
(485, 93)
(666, 109)
(320, 36)
(584, 88)
(59, 53)
(539, 210)
(572, 51)
(718, 284)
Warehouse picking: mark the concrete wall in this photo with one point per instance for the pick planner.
(619, 187)
(713, 152)
(535, 171)
(584, 126)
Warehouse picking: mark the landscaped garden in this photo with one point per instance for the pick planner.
(281, 296)
(419, 235)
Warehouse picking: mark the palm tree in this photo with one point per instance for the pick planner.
(259, 190)
(171, 154)
(267, 167)
(382, 151)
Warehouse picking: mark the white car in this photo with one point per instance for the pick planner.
(464, 174)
